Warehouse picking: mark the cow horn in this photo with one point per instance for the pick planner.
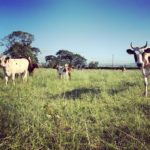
(132, 46)
(144, 45)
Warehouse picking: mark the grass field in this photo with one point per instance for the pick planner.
(96, 110)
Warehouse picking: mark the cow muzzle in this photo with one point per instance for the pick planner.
(140, 65)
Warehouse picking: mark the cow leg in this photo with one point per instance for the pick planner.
(25, 76)
(62, 76)
(69, 75)
(6, 80)
(146, 85)
(145, 75)
(66, 76)
(59, 76)
(13, 79)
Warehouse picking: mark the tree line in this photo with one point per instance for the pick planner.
(19, 44)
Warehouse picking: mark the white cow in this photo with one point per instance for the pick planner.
(142, 59)
(64, 71)
(12, 67)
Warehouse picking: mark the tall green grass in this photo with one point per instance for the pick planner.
(96, 110)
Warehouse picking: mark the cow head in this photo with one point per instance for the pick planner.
(138, 53)
(4, 60)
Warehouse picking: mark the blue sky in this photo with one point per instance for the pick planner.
(96, 29)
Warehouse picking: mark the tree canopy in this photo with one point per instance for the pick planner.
(18, 44)
(65, 56)
(52, 61)
(93, 64)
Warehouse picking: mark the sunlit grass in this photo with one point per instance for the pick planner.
(97, 109)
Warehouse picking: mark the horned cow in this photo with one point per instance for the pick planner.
(12, 67)
(142, 59)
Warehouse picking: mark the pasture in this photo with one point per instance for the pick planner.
(96, 110)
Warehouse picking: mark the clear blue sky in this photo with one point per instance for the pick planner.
(96, 29)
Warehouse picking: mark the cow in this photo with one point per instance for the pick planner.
(32, 66)
(64, 71)
(12, 67)
(142, 60)
(123, 69)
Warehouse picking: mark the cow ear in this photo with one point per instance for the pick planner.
(6, 59)
(130, 51)
(147, 50)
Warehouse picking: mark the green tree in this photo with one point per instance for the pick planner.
(69, 57)
(52, 61)
(78, 60)
(18, 44)
(64, 56)
(93, 64)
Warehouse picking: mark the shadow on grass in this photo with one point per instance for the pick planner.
(9, 120)
(120, 88)
(78, 93)
(126, 137)
(81, 93)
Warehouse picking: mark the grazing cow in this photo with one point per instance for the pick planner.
(142, 59)
(64, 71)
(12, 67)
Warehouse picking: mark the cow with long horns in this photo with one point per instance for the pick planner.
(142, 59)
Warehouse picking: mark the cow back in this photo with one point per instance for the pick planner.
(17, 65)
